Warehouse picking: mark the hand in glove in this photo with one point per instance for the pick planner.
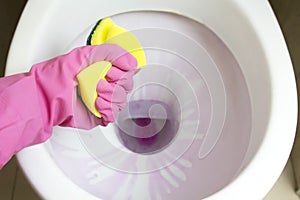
(32, 103)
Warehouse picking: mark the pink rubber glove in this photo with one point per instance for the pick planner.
(32, 103)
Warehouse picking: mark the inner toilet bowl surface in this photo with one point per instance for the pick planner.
(219, 88)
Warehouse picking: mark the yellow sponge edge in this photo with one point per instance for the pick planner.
(110, 33)
(106, 32)
(88, 80)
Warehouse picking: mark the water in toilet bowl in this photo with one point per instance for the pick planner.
(193, 124)
(147, 131)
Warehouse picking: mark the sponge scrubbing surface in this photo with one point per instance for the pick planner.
(88, 80)
(106, 31)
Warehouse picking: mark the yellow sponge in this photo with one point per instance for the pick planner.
(107, 32)
(88, 80)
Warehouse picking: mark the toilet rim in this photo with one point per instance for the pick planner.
(269, 34)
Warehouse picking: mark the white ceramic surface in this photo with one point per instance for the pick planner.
(250, 31)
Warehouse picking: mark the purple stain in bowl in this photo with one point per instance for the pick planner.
(142, 121)
(147, 126)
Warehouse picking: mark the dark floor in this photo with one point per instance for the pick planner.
(288, 14)
(10, 11)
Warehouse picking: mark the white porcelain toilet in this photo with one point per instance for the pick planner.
(219, 85)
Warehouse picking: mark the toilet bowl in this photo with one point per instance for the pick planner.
(211, 116)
